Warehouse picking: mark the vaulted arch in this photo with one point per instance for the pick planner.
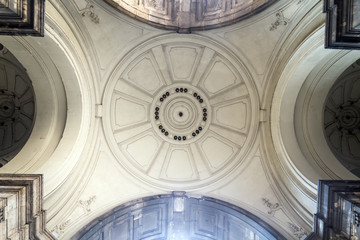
(177, 216)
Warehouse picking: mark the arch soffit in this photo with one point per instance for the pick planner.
(170, 208)
(63, 87)
(299, 94)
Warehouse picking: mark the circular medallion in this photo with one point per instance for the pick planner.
(17, 109)
(179, 112)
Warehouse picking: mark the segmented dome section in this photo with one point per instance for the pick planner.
(17, 109)
(191, 14)
(180, 112)
(342, 119)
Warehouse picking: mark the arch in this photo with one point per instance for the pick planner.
(177, 216)
(185, 16)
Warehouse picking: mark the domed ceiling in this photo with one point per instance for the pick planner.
(173, 123)
(184, 15)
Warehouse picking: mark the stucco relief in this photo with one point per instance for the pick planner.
(186, 15)
(177, 129)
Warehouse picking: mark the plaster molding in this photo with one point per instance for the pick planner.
(143, 93)
(290, 183)
(89, 12)
(281, 20)
(272, 207)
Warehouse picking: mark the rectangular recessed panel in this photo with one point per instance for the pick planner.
(121, 230)
(97, 236)
(206, 224)
(236, 229)
(151, 222)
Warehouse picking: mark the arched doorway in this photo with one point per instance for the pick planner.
(179, 217)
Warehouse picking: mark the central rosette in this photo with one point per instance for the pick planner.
(180, 113)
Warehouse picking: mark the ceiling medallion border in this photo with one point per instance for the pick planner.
(186, 16)
(184, 129)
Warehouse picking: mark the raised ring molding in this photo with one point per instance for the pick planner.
(23, 216)
(208, 113)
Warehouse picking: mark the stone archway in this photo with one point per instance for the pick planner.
(179, 217)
